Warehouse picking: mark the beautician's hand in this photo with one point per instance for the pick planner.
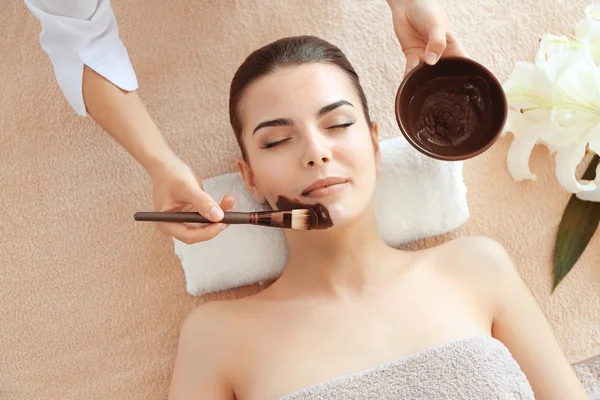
(176, 188)
(424, 32)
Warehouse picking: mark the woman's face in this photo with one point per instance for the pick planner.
(304, 124)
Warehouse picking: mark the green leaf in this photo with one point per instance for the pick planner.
(579, 222)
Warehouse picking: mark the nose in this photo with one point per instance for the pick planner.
(317, 151)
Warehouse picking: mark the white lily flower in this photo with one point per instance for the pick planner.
(529, 130)
(555, 102)
(588, 30)
(576, 108)
(567, 160)
(550, 45)
(593, 195)
(576, 87)
(528, 86)
(593, 11)
(530, 94)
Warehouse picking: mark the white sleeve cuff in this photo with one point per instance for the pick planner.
(72, 42)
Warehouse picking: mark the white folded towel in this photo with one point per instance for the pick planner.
(415, 197)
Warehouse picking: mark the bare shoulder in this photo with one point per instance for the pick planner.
(205, 330)
(211, 323)
(480, 253)
(480, 262)
(204, 353)
(209, 316)
(478, 246)
(517, 320)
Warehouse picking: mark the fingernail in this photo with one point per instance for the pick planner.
(215, 213)
(431, 58)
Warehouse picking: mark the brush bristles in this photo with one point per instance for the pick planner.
(304, 219)
(301, 219)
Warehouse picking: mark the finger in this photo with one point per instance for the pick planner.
(412, 60)
(205, 205)
(453, 46)
(204, 234)
(227, 202)
(191, 235)
(436, 43)
(186, 207)
(197, 224)
(226, 205)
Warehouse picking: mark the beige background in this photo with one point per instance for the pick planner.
(91, 302)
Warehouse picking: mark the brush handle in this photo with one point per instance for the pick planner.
(231, 217)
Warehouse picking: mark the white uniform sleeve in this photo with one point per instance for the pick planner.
(78, 32)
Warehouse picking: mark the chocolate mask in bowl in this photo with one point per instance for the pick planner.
(451, 111)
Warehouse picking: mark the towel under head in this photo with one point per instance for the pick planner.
(415, 197)
(476, 368)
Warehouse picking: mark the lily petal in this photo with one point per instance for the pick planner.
(576, 55)
(589, 27)
(579, 80)
(526, 134)
(550, 46)
(593, 195)
(593, 11)
(516, 120)
(594, 139)
(567, 160)
(555, 137)
(576, 94)
(528, 86)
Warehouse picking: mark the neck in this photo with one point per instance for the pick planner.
(337, 261)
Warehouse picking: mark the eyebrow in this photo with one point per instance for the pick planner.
(288, 121)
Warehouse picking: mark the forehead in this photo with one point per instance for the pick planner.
(296, 92)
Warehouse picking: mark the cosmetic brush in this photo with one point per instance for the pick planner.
(301, 219)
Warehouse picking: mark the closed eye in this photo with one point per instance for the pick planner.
(341, 126)
(277, 143)
(273, 144)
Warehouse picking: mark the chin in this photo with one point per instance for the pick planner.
(341, 213)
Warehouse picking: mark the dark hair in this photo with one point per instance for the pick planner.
(288, 51)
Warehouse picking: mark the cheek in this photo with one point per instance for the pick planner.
(272, 182)
(359, 157)
(357, 151)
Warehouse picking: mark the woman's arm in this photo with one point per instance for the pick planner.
(199, 364)
(522, 326)
(123, 116)
(75, 33)
(93, 70)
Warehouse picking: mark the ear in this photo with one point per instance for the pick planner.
(248, 177)
(375, 140)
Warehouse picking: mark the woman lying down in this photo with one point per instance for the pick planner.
(350, 317)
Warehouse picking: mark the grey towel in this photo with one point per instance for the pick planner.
(477, 368)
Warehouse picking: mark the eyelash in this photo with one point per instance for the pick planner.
(270, 145)
(340, 126)
(346, 125)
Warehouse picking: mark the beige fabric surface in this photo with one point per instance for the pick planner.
(91, 301)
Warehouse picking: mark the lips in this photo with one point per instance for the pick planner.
(323, 183)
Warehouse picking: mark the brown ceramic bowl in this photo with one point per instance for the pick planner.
(489, 110)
